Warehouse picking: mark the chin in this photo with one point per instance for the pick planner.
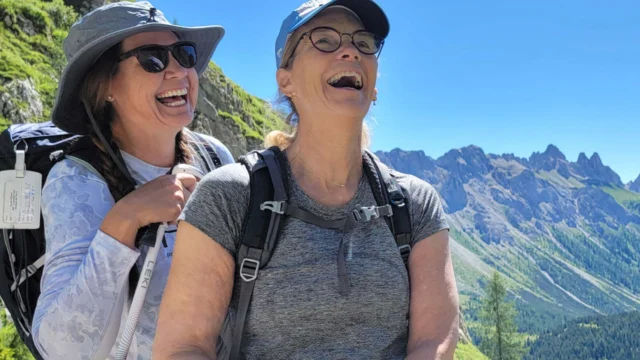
(350, 108)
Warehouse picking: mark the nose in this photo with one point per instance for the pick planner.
(174, 69)
(347, 50)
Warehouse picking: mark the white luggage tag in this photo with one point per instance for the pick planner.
(21, 191)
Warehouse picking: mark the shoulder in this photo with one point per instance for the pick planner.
(223, 152)
(415, 187)
(227, 179)
(425, 206)
(70, 169)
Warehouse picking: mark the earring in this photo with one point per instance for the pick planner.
(109, 98)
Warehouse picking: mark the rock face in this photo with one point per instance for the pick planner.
(20, 102)
(635, 186)
(85, 6)
(595, 170)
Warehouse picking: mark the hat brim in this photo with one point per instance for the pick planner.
(206, 39)
(371, 14)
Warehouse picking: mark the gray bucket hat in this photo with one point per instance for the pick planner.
(103, 28)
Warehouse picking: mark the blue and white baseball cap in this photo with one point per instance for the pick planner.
(370, 13)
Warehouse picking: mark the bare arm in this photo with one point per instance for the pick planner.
(195, 301)
(433, 326)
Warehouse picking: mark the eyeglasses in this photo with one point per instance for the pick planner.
(328, 40)
(155, 58)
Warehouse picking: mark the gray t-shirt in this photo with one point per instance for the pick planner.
(297, 310)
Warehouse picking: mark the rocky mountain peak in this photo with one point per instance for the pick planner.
(582, 159)
(635, 186)
(466, 163)
(554, 153)
(595, 170)
(548, 160)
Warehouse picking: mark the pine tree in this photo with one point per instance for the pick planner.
(500, 338)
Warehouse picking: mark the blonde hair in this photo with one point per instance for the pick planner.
(284, 139)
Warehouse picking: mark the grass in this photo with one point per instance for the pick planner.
(247, 131)
(39, 57)
(4, 123)
(621, 195)
(468, 352)
(555, 178)
(264, 118)
(626, 198)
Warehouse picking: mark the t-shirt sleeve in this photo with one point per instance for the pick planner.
(425, 209)
(219, 204)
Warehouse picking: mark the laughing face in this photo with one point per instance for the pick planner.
(333, 83)
(163, 100)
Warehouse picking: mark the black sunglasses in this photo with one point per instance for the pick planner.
(328, 40)
(155, 58)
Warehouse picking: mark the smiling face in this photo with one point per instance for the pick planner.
(336, 83)
(166, 99)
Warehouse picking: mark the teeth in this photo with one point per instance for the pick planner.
(176, 103)
(335, 78)
(171, 93)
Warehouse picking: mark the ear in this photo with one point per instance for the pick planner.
(285, 82)
(375, 95)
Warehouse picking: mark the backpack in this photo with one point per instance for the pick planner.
(269, 208)
(22, 251)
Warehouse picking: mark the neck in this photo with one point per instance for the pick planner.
(328, 154)
(153, 146)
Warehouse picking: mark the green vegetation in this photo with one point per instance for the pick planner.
(626, 198)
(468, 352)
(500, 338)
(37, 56)
(11, 346)
(613, 337)
(618, 263)
(262, 118)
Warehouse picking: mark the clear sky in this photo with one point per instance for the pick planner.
(508, 76)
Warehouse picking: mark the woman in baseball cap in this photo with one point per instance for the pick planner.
(334, 285)
(130, 86)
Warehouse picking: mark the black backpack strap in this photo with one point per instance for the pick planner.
(206, 152)
(260, 230)
(388, 191)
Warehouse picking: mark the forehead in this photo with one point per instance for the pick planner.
(149, 38)
(338, 18)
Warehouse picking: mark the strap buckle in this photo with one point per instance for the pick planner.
(371, 212)
(405, 251)
(278, 207)
(249, 269)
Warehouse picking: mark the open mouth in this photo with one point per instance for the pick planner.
(346, 80)
(173, 98)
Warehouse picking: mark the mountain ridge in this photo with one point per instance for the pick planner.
(563, 232)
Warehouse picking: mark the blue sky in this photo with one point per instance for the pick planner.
(509, 76)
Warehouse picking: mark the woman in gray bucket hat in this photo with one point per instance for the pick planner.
(130, 86)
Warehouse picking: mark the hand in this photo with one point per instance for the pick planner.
(159, 200)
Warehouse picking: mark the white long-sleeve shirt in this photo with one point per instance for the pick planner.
(84, 299)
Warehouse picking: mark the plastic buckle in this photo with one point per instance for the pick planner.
(31, 269)
(252, 269)
(278, 207)
(405, 250)
(368, 213)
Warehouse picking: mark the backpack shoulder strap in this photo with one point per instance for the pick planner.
(206, 151)
(261, 227)
(388, 191)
